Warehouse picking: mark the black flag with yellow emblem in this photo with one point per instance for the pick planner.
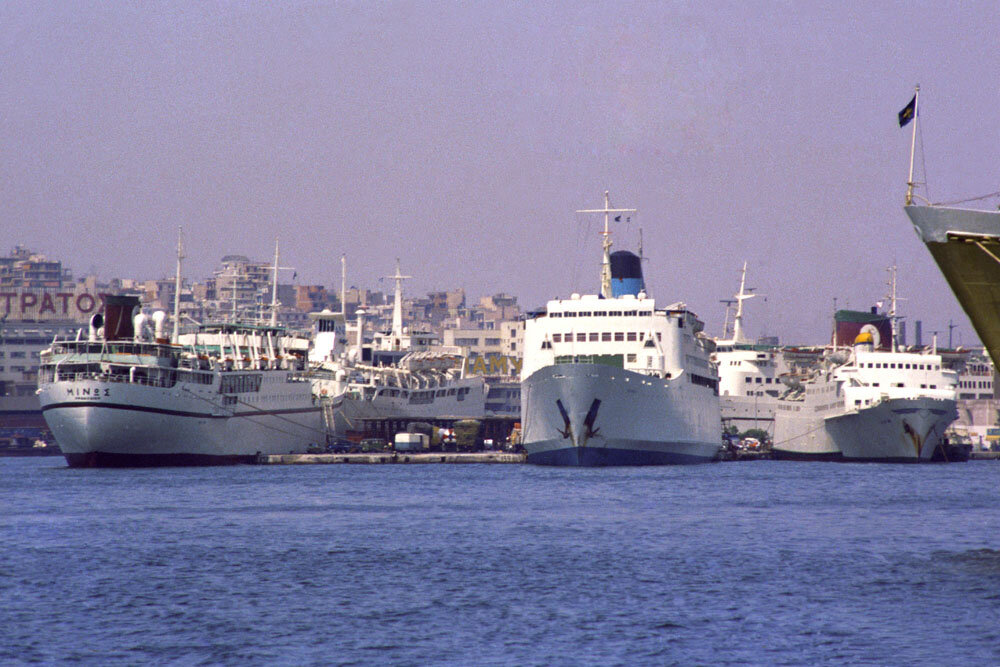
(907, 113)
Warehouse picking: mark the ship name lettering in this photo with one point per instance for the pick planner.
(88, 391)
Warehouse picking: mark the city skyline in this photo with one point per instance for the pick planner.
(462, 140)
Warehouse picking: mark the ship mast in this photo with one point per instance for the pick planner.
(274, 285)
(738, 299)
(606, 263)
(397, 308)
(177, 288)
(913, 145)
(893, 319)
(742, 296)
(343, 286)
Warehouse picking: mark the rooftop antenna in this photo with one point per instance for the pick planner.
(343, 285)
(177, 287)
(951, 327)
(606, 263)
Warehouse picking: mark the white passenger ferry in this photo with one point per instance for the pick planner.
(611, 379)
(873, 405)
(126, 397)
(124, 394)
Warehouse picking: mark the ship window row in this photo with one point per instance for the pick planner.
(749, 379)
(603, 313)
(916, 367)
(602, 337)
(975, 384)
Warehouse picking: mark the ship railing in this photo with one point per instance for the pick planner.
(105, 348)
(161, 378)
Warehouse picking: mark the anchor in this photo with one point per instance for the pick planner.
(569, 428)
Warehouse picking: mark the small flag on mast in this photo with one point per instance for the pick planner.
(907, 113)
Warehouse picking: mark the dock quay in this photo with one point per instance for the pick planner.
(391, 458)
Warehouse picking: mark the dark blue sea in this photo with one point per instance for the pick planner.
(744, 563)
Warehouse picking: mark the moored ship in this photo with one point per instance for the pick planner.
(965, 244)
(749, 373)
(610, 379)
(400, 376)
(124, 394)
(868, 404)
(223, 395)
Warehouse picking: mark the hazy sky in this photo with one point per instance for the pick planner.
(461, 137)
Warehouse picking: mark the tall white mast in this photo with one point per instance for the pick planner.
(892, 305)
(177, 288)
(606, 263)
(343, 285)
(397, 308)
(740, 298)
(274, 287)
(913, 145)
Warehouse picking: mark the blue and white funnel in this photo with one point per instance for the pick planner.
(626, 274)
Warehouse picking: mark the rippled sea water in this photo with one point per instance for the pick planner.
(766, 562)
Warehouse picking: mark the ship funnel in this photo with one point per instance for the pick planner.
(138, 322)
(159, 317)
(96, 326)
(119, 311)
(626, 274)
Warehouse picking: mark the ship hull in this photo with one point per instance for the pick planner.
(898, 430)
(801, 435)
(965, 244)
(101, 424)
(595, 415)
(462, 399)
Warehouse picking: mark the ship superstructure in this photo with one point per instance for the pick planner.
(749, 373)
(612, 379)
